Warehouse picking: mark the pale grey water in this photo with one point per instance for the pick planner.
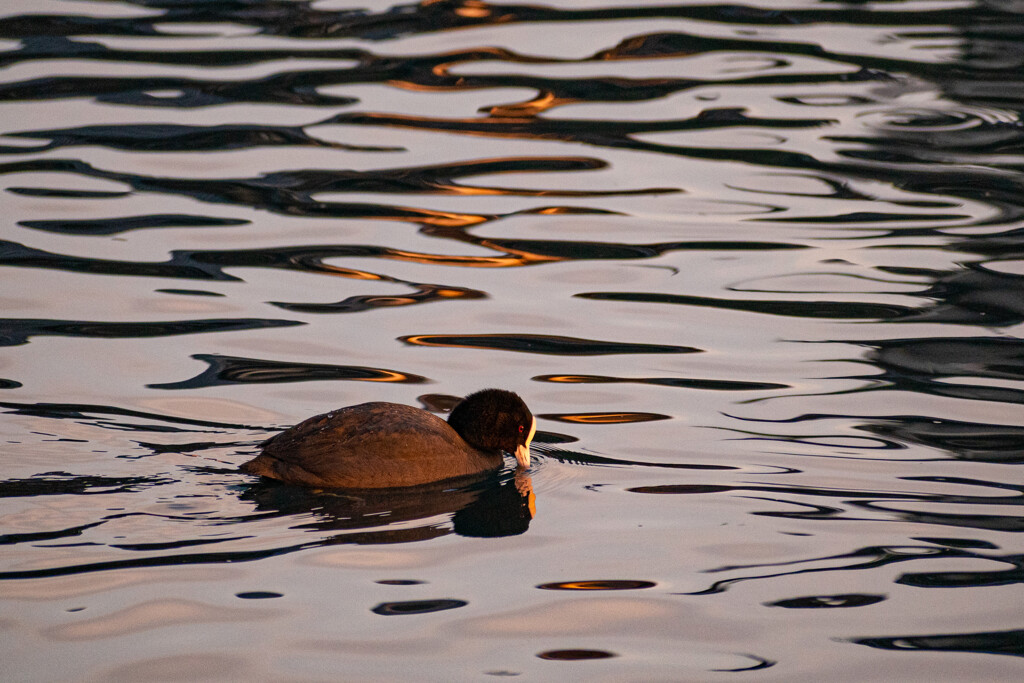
(757, 269)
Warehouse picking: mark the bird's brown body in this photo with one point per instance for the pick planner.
(374, 446)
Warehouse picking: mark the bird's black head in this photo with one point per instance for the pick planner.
(495, 420)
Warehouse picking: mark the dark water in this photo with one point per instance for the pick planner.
(758, 269)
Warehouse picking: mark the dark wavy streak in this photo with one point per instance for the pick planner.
(598, 585)
(988, 642)
(70, 532)
(526, 127)
(606, 133)
(1008, 245)
(951, 542)
(174, 545)
(89, 413)
(973, 441)
(303, 19)
(116, 226)
(828, 601)
(582, 458)
(429, 70)
(585, 250)
(872, 501)
(973, 579)
(1003, 523)
(851, 496)
(51, 46)
(680, 382)
(553, 92)
(979, 79)
(998, 189)
(225, 370)
(540, 343)
(450, 14)
(677, 44)
(622, 417)
(990, 138)
(62, 483)
(441, 179)
(871, 557)
(970, 295)
(908, 155)
(417, 606)
(1019, 488)
(368, 302)
(576, 655)
(860, 217)
(29, 26)
(805, 511)
(976, 441)
(923, 365)
(985, 185)
(436, 179)
(16, 331)
(1001, 190)
(295, 88)
(291, 192)
(305, 87)
(180, 265)
(175, 560)
(181, 447)
(836, 310)
(66, 194)
(759, 664)
(433, 71)
(139, 137)
(210, 265)
(187, 292)
(167, 137)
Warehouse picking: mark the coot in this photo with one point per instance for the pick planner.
(385, 445)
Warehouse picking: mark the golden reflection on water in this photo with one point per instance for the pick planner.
(515, 258)
(604, 418)
(599, 585)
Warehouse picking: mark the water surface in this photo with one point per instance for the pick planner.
(757, 269)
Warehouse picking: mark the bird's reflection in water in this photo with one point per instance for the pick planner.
(486, 506)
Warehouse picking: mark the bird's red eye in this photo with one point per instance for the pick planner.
(520, 429)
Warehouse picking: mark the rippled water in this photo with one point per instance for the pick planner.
(758, 269)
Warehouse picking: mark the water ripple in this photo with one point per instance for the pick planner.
(538, 343)
(995, 643)
(233, 370)
(15, 331)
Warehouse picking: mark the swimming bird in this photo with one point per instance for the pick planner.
(389, 445)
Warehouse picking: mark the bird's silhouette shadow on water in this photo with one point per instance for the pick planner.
(484, 506)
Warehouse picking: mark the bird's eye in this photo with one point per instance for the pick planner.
(520, 429)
